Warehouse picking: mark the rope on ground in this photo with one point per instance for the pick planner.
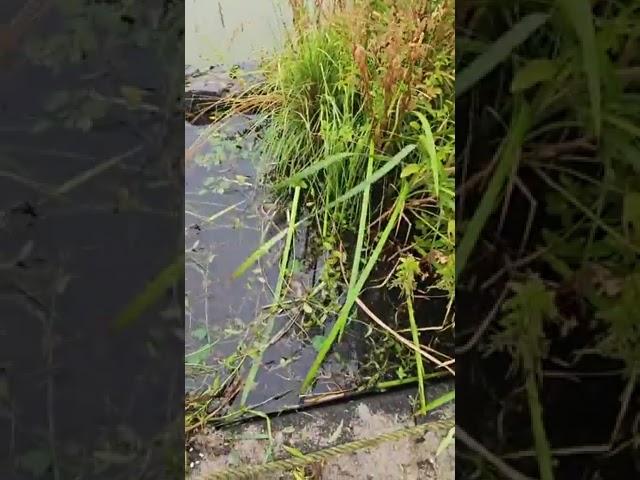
(289, 464)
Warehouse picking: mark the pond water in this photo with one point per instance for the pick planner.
(232, 31)
(228, 217)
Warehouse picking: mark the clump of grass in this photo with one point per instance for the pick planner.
(406, 275)
(522, 335)
(362, 120)
(355, 77)
(357, 119)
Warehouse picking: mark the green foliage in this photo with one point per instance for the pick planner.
(406, 273)
(361, 119)
(522, 335)
(340, 87)
(562, 133)
(522, 332)
(622, 338)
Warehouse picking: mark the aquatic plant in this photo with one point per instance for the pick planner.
(362, 109)
(549, 91)
(356, 128)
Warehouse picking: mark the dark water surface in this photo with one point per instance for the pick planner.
(228, 217)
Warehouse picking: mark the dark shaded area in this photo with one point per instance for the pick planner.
(581, 388)
(91, 202)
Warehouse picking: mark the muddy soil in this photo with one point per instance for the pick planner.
(412, 458)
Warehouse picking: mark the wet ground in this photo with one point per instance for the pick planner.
(413, 457)
(228, 216)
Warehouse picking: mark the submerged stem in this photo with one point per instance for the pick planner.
(419, 365)
(543, 449)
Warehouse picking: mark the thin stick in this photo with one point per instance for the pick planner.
(626, 398)
(471, 443)
(483, 326)
(404, 341)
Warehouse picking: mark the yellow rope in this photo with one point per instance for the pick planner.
(289, 464)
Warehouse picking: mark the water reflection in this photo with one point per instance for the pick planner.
(232, 31)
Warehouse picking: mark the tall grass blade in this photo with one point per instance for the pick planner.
(541, 442)
(362, 226)
(429, 146)
(377, 175)
(266, 333)
(353, 293)
(314, 168)
(87, 175)
(498, 52)
(615, 235)
(415, 336)
(509, 156)
(284, 261)
(261, 251)
(441, 400)
(360, 187)
(579, 14)
(623, 124)
(151, 294)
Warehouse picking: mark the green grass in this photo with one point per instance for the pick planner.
(406, 275)
(360, 120)
(353, 292)
(357, 141)
(553, 115)
(508, 158)
(284, 268)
